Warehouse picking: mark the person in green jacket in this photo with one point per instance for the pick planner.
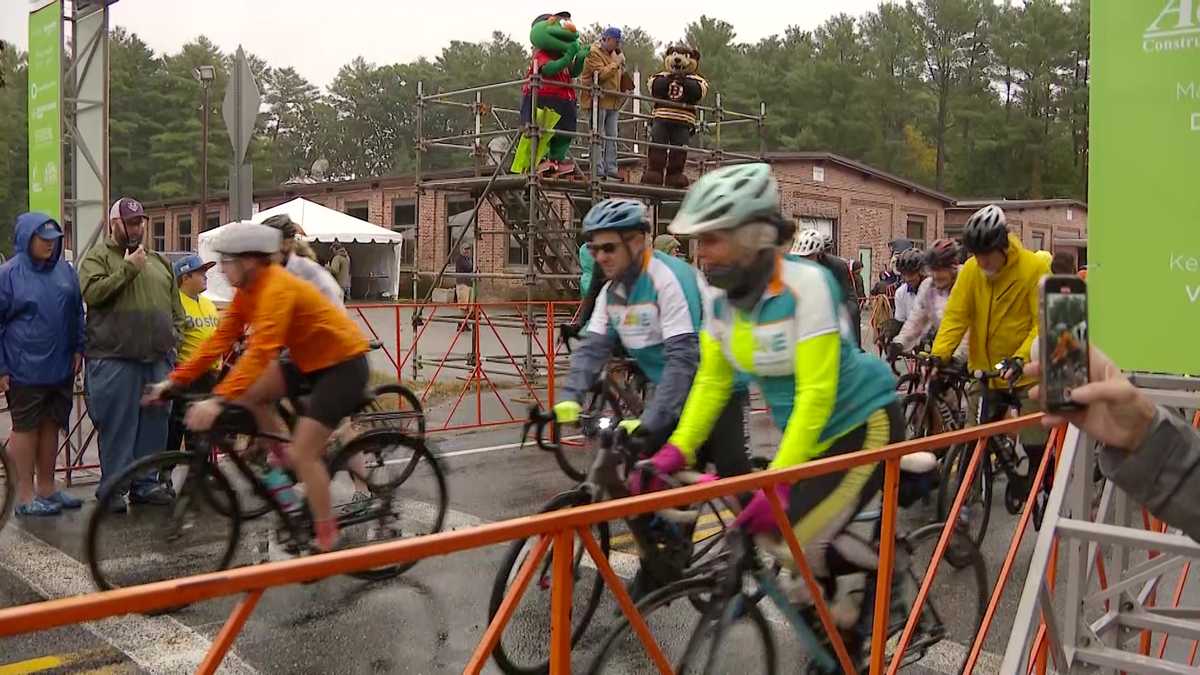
(339, 267)
(134, 321)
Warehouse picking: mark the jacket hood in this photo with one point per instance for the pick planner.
(27, 224)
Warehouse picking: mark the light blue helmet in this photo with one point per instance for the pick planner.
(615, 214)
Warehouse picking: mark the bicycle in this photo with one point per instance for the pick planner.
(937, 400)
(666, 541)
(735, 582)
(201, 529)
(620, 393)
(1001, 455)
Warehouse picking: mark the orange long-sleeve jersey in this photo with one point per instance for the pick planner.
(284, 311)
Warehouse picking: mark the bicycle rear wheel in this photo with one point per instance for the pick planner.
(147, 543)
(394, 407)
(524, 646)
(408, 494)
(737, 637)
(977, 507)
(8, 486)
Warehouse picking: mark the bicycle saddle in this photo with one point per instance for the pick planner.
(919, 462)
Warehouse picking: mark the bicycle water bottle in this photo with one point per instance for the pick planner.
(279, 484)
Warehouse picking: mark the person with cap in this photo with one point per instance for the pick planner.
(290, 256)
(669, 245)
(339, 267)
(134, 319)
(41, 348)
(604, 64)
(464, 267)
(200, 322)
(327, 356)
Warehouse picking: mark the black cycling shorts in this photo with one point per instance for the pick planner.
(333, 393)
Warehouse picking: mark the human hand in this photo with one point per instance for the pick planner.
(1013, 369)
(156, 393)
(757, 517)
(667, 460)
(619, 58)
(200, 416)
(894, 350)
(567, 412)
(1117, 414)
(137, 257)
(5, 381)
(630, 426)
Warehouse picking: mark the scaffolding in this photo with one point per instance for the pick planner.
(530, 206)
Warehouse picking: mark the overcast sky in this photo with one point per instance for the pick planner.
(318, 36)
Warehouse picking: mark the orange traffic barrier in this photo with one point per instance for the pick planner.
(557, 529)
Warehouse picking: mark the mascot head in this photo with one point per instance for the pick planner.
(681, 60)
(553, 33)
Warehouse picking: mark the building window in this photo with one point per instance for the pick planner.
(866, 256)
(212, 221)
(158, 234)
(826, 226)
(1039, 241)
(183, 224)
(1070, 213)
(358, 209)
(818, 173)
(518, 252)
(404, 221)
(915, 230)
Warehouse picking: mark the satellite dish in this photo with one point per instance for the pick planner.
(319, 168)
(497, 148)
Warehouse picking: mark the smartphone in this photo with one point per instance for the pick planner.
(1063, 351)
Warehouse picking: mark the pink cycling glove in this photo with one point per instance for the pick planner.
(757, 518)
(667, 460)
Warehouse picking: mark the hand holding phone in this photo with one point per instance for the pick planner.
(1063, 338)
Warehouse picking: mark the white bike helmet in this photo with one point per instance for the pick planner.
(808, 242)
(245, 237)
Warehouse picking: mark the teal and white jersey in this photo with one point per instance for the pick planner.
(802, 302)
(665, 302)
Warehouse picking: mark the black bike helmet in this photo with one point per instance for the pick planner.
(943, 254)
(910, 261)
(986, 231)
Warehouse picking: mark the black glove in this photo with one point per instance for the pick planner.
(894, 350)
(1014, 368)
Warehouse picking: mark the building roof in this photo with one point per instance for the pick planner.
(1018, 203)
(856, 165)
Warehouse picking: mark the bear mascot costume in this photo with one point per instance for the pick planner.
(558, 56)
(677, 90)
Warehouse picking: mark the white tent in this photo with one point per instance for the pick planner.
(374, 250)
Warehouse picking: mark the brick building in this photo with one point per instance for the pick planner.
(863, 207)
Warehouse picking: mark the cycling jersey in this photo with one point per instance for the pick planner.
(797, 345)
(925, 317)
(284, 312)
(840, 270)
(906, 297)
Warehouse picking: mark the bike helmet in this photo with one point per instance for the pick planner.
(615, 214)
(284, 223)
(986, 231)
(943, 254)
(728, 198)
(808, 242)
(910, 261)
(247, 238)
(828, 239)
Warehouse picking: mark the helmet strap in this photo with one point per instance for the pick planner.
(744, 285)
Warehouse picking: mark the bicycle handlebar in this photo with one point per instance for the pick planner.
(538, 421)
(998, 371)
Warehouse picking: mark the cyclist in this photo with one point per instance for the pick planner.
(590, 285)
(328, 353)
(909, 264)
(995, 297)
(782, 322)
(930, 305)
(812, 245)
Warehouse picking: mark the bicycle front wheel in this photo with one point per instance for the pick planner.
(977, 506)
(524, 647)
(732, 638)
(140, 543)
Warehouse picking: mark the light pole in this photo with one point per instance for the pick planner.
(205, 74)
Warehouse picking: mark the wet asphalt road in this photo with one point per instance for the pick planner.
(426, 621)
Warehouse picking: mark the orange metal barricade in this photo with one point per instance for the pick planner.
(557, 531)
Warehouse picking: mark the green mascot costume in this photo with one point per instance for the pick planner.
(557, 56)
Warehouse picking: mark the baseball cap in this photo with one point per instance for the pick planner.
(48, 230)
(612, 32)
(189, 264)
(126, 208)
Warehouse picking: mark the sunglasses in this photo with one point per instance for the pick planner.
(607, 249)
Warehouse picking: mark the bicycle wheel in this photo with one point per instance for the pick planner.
(908, 383)
(147, 543)
(737, 637)
(249, 503)
(576, 458)
(408, 494)
(977, 507)
(954, 607)
(391, 406)
(524, 646)
(8, 486)
(916, 417)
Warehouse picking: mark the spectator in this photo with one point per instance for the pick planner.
(41, 348)
(1062, 263)
(339, 267)
(296, 257)
(464, 264)
(606, 62)
(669, 245)
(856, 275)
(200, 322)
(133, 320)
(1146, 450)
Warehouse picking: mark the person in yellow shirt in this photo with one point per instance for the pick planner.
(191, 275)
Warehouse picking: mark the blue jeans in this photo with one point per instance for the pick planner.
(127, 431)
(605, 153)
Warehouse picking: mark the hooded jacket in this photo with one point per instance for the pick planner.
(41, 312)
(1001, 312)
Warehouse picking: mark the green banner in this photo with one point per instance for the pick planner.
(1144, 215)
(45, 110)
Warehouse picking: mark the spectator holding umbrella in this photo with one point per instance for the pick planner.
(41, 349)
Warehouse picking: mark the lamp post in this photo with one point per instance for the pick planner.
(205, 75)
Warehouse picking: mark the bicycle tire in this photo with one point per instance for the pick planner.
(679, 592)
(575, 461)
(139, 524)
(908, 383)
(954, 466)
(915, 408)
(387, 486)
(249, 504)
(405, 413)
(8, 486)
(509, 567)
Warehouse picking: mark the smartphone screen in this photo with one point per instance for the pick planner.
(1064, 336)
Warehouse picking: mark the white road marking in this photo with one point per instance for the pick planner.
(157, 644)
